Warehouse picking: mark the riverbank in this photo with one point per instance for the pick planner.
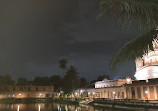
(112, 103)
(38, 100)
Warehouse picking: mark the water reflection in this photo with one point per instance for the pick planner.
(18, 108)
(64, 107)
(39, 107)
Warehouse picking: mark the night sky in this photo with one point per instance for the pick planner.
(36, 34)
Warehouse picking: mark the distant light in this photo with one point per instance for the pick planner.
(146, 92)
(41, 95)
(128, 80)
(20, 94)
(81, 91)
(113, 92)
(93, 93)
(61, 92)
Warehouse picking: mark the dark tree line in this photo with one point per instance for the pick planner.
(6, 80)
(68, 83)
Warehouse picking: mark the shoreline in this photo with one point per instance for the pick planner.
(113, 104)
(37, 100)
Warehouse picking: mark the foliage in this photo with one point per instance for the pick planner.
(6, 80)
(100, 78)
(82, 82)
(41, 81)
(57, 81)
(63, 64)
(141, 12)
(22, 81)
(71, 81)
(135, 48)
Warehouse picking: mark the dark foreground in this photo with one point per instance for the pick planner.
(66, 107)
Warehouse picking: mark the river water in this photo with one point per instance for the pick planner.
(65, 107)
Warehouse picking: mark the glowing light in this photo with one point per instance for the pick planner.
(58, 107)
(66, 108)
(61, 92)
(41, 95)
(113, 92)
(39, 107)
(81, 91)
(18, 108)
(128, 80)
(20, 95)
(93, 93)
(146, 92)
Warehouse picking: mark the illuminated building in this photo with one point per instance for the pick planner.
(147, 65)
(26, 91)
(110, 83)
(111, 88)
(144, 87)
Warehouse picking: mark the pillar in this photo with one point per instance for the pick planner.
(136, 93)
(155, 92)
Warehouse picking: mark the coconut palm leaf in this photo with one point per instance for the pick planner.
(135, 48)
(141, 12)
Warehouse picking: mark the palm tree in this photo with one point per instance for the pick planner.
(63, 64)
(139, 12)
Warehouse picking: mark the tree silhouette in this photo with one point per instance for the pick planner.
(22, 81)
(71, 80)
(63, 64)
(143, 13)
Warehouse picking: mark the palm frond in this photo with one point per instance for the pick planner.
(141, 12)
(135, 48)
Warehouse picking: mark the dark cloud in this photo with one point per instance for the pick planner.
(35, 34)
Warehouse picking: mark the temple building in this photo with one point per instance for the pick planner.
(147, 66)
(145, 86)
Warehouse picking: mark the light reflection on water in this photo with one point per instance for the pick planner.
(62, 107)
(18, 109)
